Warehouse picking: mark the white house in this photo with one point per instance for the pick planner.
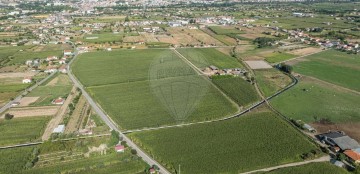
(59, 129)
(67, 53)
(119, 148)
(27, 80)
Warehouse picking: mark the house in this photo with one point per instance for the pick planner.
(338, 139)
(51, 58)
(119, 148)
(15, 104)
(59, 129)
(27, 80)
(50, 70)
(152, 171)
(67, 53)
(62, 61)
(58, 101)
(108, 49)
(353, 156)
(63, 69)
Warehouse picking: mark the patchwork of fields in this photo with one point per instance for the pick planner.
(233, 146)
(156, 78)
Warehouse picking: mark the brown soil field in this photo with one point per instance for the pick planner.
(167, 39)
(304, 51)
(182, 37)
(203, 37)
(258, 64)
(33, 111)
(26, 101)
(5, 97)
(254, 32)
(134, 39)
(77, 117)
(351, 129)
(225, 50)
(149, 37)
(17, 74)
(8, 69)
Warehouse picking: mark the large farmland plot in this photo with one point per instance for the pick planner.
(149, 88)
(21, 130)
(232, 146)
(332, 66)
(204, 57)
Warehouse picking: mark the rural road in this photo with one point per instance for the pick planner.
(322, 159)
(111, 124)
(18, 98)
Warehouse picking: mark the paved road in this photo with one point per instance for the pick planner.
(111, 124)
(18, 98)
(322, 159)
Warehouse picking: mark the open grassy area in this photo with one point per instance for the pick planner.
(103, 37)
(251, 142)
(271, 80)
(5, 52)
(21, 130)
(278, 57)
(312, 100)
(312, 168)
(241, 91)
(9, 91)
(156, 78)
(204, 57)
(14, 160)
(332, 66)
(48, 94)
(221, 30)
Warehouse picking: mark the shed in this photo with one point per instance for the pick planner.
(59, 129)
(119, 148)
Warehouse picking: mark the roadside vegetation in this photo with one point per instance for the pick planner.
(313, 168)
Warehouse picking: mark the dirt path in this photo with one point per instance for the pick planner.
(77, 116)
(322, 159)
(59, 116)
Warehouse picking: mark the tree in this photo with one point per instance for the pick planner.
(127, 19)
(133, 151)
(114, 139)
(286, 68)
(8, 116)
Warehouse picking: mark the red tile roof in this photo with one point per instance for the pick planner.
(119, 147)
(353, 155)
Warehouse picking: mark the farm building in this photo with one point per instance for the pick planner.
(59, 129)
(353, 156)
(27, 80)
(339, 139)
(58, 101)
(309, 128)
(119, 148)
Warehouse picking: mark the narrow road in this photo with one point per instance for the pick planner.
(111, 124)
(18, 98)
(322, 159)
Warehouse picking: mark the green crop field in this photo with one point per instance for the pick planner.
(21, 130)
(312, 100)
(255, 141)
(271, 80)
(100, 68)
(14, 160)
(204, 57)
(48, 94)
(5, 52)
(21, 57)
(9, 91)
(225, 30)
(333, 66)
(241, 91)
(103, 37)
(128, 103)
(156, 78)
(278, 57)
(312, 168)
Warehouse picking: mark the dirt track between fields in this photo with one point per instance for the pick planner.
(33, 111)
(59, 116)
(17, 74)
(26, 101)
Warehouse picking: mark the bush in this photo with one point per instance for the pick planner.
(133, 151)
(9, 116)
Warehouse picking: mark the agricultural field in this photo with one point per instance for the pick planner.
(158, 78)
(121, 66)
(226, 146)
(332, 66)
(241, 91)
(102, 37)
(10, 91)
(16, 130)
(271, 80)
(5, 52)
(47, 94)
(312, 100)
(222, 38)
(278, 57)
(182, 37)
(223, 30)
(312, 168)
(204, 57)
(14, 160)
(203, 37)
